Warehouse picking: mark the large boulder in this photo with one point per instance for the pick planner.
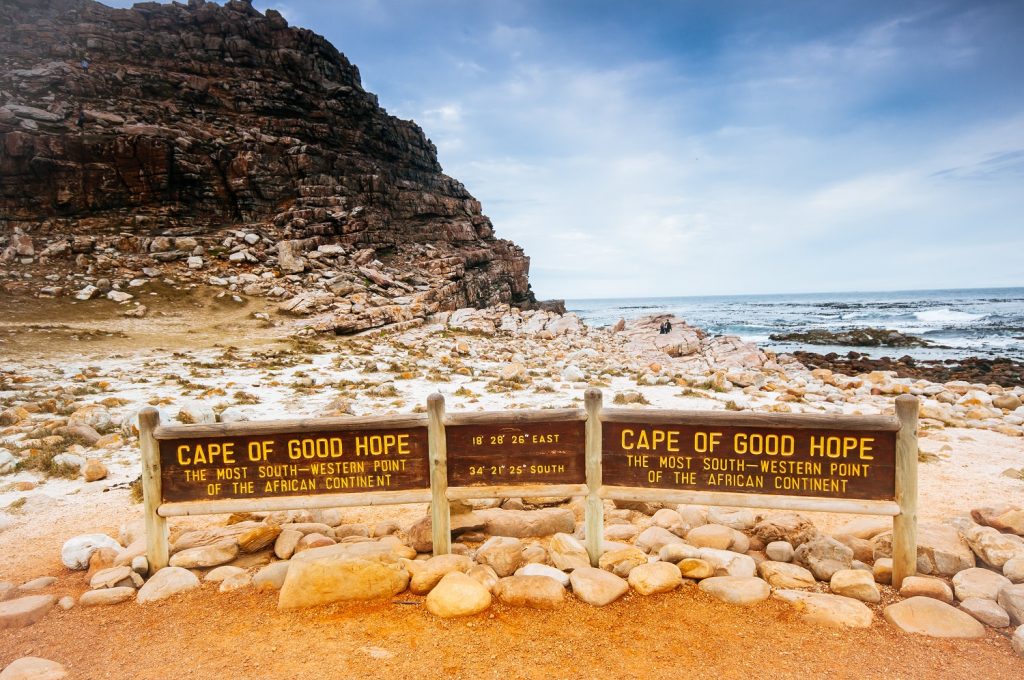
(537, 592)
(621, 562)
(790, 527)
(785, 575)
(1011, 598)
(597, 586)
(828, 610)
(855, 583)
(343, 572)
(978, 582)
(24, 611)
(33, 668)
(927, 616)
(655, 577)
(501, 553)
(527, 523)
(427, 573)
(711, 536)
(653, 539)
(824, 556)
(740, 590)
(726, 563)
(457, 594)
(206, 556)
(165, 583)
(76, 552)
(926, 586)
(994, 548)
(986, 611)
(941, 550)
(567, 552)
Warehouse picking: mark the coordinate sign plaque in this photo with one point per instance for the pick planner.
(756, 460)
(294, 464)
(520, 453)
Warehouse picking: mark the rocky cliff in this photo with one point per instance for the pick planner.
(215, 143)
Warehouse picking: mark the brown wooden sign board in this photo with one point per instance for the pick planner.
(516, 453)
(295, 464)
(755, 460)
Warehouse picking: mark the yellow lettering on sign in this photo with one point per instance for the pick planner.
(207, 454)
(841, 447)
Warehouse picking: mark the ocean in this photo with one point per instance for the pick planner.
(980, 322)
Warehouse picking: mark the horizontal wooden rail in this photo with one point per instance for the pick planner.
(740, 500)
(293, 503)
(461, 493)
(802, 421)
(292, 426)
(554, 415)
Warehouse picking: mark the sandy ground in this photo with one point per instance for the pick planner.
(242, 635)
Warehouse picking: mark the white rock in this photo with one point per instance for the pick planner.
(987, 611)
(7, 461)
(544, 570)
(76, 552)
(729, 563)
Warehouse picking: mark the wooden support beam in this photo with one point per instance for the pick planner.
(156, 526)
(341, 500)
(904, 525)
(461, 493)
(741, 500)
(440, 513)
(594, 508)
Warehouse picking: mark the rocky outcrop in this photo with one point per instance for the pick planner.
(218, 143)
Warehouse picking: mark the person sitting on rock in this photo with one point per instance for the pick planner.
(85, 64)
(81, 118)
(668, 326)
(661, 328)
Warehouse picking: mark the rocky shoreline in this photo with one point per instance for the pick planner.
(1003, 372)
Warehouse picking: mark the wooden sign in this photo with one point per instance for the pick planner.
(266, 465)
(827, 463)
(516, 453)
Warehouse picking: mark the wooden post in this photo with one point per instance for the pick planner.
(440, 513)
(594, 505)
(904, 525)
(156, 526)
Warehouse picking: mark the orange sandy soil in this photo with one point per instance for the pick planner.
(206, 634)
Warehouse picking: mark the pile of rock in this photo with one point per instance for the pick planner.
(536, 558)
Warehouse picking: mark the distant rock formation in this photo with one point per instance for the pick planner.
(219, 136)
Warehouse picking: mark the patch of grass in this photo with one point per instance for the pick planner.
(135, 490)
(464, 392)
(41, 460)
(243, 397)
(631, 398)
(17, 504)
(732, 406)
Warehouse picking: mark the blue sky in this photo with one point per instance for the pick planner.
(690, 148)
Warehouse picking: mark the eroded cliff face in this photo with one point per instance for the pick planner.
(222, 137)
